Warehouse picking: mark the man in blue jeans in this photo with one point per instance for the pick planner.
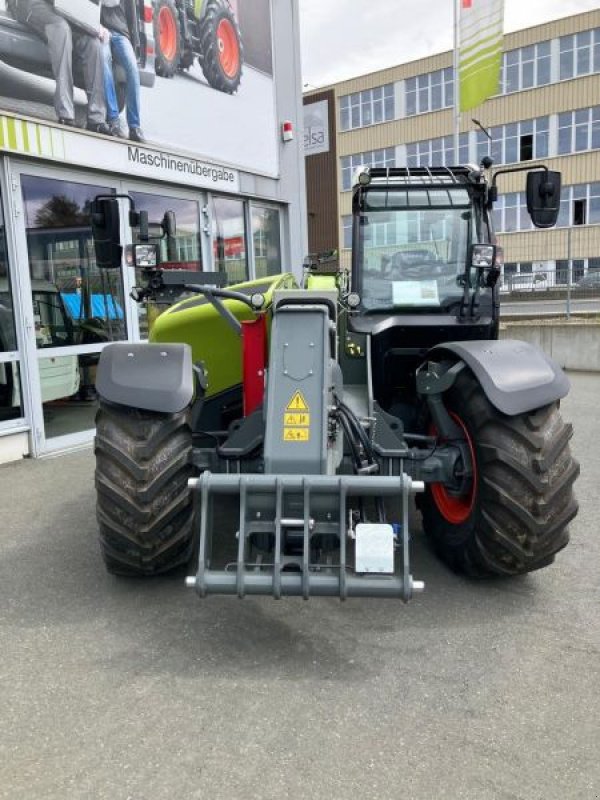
(117, 45)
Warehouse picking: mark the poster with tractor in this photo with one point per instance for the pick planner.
(205, 68)
(206, 30)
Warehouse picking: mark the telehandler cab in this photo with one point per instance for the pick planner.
(280, 433)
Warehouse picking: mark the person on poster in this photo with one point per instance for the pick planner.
(117, 45)
(63, 44)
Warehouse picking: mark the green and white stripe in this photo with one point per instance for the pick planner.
(481, 32)
(31, 138)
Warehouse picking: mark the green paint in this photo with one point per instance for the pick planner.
(198, 8)
(12, 133)
(39, 139)
(2, 131)
(25, 133)
(210, 337)
(321, 283)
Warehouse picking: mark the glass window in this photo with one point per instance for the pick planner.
(365, 108)
(11, 395)
(182, 252)
(74, 302)
(511, 205)
(344, 113)
(229, 239)
(565, 132)
(411, 96)
(266, 236)
(430, 91)
(448, 87)
(347, 225)
(566, 56)
(413, 257)
(8, 337)
(11, 406)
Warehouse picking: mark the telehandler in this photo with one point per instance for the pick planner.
(279, 434)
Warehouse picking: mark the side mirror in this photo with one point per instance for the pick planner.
(543, 197)
(146, 256)
(106, 230)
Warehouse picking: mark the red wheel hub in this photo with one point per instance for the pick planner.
(229, 49)
(457, 509)
(167, 32)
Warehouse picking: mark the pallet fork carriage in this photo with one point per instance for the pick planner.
(280, 434)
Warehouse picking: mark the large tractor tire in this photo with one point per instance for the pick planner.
(221, 47)
(515, 513)
(167, 38)
(144, 507)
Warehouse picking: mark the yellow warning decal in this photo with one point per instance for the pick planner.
(297, 419)
(296, 434)
(297, 403)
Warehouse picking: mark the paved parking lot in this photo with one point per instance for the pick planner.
(128, 689)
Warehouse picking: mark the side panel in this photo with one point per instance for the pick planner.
(153, 377)
(516, 376)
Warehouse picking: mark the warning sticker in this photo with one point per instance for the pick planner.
(301, 420)
(296, 420)
(297, 403)
(296, 434)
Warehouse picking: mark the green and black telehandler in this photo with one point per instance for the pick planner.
(279, 434)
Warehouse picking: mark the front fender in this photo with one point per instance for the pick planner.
(515, 376)
(152, 377)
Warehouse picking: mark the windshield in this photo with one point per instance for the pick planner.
(414, 247)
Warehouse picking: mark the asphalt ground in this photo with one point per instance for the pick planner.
(113, 688)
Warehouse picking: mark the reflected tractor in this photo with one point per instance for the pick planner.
(202, 29)
(275, 436)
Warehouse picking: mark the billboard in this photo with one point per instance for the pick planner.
(205, 69)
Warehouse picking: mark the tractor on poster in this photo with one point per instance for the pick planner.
(206, 30)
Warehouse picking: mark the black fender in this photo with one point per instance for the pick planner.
(152, 377)
(517, 377)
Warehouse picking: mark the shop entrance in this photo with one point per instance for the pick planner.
(64, 310)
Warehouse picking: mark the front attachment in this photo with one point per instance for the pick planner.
(296, 537)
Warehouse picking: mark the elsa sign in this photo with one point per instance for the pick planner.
(316, 128)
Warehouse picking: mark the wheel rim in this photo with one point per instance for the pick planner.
(229, 49)
(167, 33)
(457, 509)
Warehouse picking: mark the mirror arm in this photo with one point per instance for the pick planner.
(508, 170)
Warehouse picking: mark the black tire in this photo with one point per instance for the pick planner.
(167, 38)
(523, 497)
(222, 73)
(144, 507)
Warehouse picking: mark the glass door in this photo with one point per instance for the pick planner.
(12, 412)
(72, 309)
(183, 252)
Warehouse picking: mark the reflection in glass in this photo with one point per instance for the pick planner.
(73, 301)
(183, 251)
(11, 396)
(8, 338)
(229, 239)
(266, 235)
(69, 400)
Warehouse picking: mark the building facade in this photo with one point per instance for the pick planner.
(213, 153)
(548, 111)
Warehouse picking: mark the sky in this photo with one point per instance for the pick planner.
(344, 38)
